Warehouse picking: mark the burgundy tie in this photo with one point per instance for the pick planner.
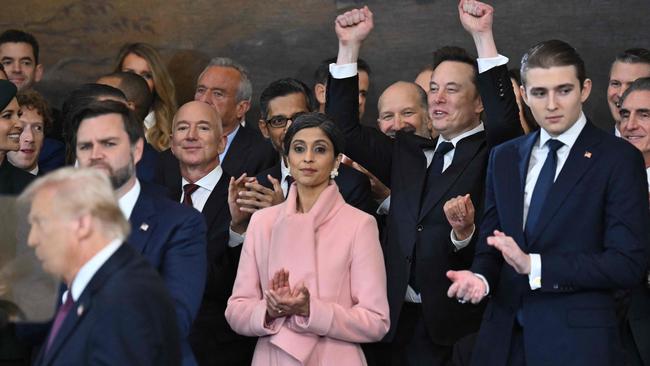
(188, 189)
(64, 309)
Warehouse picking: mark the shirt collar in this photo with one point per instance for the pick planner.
(209, 181)
(127, 202)
(455, 140)
(34, 171)
(88, 270)
(567, 137)
(284, 169)
(150, 120)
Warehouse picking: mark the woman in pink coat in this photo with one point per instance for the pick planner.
(311, 282)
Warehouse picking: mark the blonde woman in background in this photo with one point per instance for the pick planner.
(144, 60)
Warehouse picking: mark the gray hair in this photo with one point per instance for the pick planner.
(82, 191)
(640, 84)
(245, 90)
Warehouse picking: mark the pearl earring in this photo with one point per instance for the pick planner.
(334, 173)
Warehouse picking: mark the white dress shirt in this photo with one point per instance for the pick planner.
(647, 173)
(128, 200)
(149, 120)
(284, 173)
(88, 270)
(206, 186)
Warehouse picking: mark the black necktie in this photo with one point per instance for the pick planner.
(188, 189)
(542, 186)
(289, 179)
(434, 171)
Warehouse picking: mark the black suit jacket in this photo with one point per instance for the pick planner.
(401, 165)
(124, 316)
(353, 185)
(13, 180)
(248, 153)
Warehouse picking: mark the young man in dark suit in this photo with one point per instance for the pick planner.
(281, 102)
(170, 236)
(115, 309)
(565, 224)
(422, 239)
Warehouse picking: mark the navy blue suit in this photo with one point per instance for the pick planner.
(148, 165)
(353, 185)
(123, 317)
(172, 237)
(591, 236)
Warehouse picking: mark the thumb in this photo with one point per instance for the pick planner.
(453, 276)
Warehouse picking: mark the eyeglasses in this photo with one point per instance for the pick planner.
(281, 121)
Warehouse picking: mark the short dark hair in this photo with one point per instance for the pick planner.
(31, 99)
(283, 87)
(553, 53)
(634, 56)
(456, 54)
(640, 84)
(132, 126)
(18, 36)
(322, 72)
(136, 90)
(321, 121)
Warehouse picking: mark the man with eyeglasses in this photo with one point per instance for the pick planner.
(280, 104)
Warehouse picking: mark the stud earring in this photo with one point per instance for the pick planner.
(334, 173)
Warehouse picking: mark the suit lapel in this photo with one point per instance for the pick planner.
(525, 149)
(142, 222)
(217, 201)
(577, 163)
(237, 152)
(466, 150)
(412, 168)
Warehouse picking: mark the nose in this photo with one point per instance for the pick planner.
(97, 152)
(309, 156)
(13, 67)
(438, 97)
(192, 133)
(27, 135)
(551, 104)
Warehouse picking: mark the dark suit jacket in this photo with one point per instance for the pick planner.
(401, 165)
(13, 180)
(353, 185)
(52, 156)
(172, 238)
(147, 166)
(592, 238)
(248, 153)
(211, 338)
(122, 318)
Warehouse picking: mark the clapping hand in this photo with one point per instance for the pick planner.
(281, 300)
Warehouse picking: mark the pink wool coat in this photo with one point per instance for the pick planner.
(334, 249)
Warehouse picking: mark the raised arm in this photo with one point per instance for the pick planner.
(364, 145)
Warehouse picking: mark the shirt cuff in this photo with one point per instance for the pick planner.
(535, 275)
(343, 71)
(460, 244)
(485, 282)
(384, 207)
(487, 63)
(235, 239)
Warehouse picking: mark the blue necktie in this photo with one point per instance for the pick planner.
(542, 187)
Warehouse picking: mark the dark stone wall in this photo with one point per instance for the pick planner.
(280, 38)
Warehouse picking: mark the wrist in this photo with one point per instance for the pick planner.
(348, 52)
(485, 45)
(238, 227)
(463, 233)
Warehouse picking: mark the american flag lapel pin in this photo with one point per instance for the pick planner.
(144, 226)
(588, 154)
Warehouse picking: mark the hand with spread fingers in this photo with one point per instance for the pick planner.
(466, 287)
(239, 215)
(460, 215)
(246, 196)
(281, 300)
(511, 252)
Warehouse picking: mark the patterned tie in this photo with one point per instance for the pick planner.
(542, 186)
(63, 311)
(188, 189)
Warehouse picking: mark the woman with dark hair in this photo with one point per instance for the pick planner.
(12, 180)
(311, 282)
(144, 60)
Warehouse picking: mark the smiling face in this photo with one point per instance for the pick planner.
(401, 109)
(138, 65)
(621, 76)
(31, 140)
(635, 121)
(218, 87)
(20, 65)
(454, 103)
(311, 158)
(10, 127)
(555, 97)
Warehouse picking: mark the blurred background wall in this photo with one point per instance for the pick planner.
(279, 38)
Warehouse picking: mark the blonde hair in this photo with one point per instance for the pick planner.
(82, 191)
(164, 93)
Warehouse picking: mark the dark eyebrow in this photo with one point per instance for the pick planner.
(564, 85)
(643, 110)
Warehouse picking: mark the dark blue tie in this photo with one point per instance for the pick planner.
(542, 187)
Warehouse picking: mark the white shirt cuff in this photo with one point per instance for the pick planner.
(460, 244)
(487, 63)
(235, 239)
(535, 275)
(485, 282)
(343, 71)
(384, 207)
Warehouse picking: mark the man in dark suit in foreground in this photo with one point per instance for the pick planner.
(420, 246)
(280, 103)
(170, 236)
(115, 309)
(565, 225)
